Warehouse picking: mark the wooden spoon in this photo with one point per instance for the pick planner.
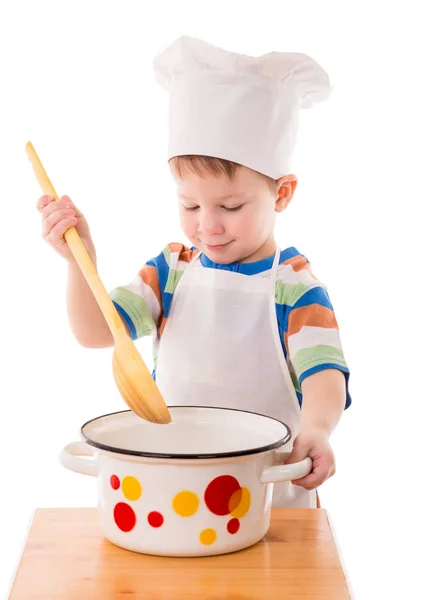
(131, 375)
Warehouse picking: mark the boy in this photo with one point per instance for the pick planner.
(236, 322)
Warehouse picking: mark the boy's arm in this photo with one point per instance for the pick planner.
(85, 317)
(318, 367)
(324, 398)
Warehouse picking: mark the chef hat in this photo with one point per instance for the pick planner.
(237, 107)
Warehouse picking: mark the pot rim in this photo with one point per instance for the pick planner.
(233, 454)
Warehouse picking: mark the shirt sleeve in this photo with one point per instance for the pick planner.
(144, 302)
(311, 333)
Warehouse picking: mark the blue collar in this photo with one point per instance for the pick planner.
(251, 268)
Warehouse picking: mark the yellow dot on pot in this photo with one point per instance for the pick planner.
(208, 537)
(131, 488)
(240, 502)
(185, 503)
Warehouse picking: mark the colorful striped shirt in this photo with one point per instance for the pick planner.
(307, 325)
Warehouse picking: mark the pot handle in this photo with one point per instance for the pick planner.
(280, 472)
(72, 458)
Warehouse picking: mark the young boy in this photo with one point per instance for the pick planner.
(236, 322)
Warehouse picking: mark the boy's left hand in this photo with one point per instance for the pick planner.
(315, 444)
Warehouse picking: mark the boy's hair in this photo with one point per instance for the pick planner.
(200, 165)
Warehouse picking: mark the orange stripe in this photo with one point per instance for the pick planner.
(176, 247)
(187, 255)
(150, 277)
(309, 270)
(184, 253)
(298, 263)
(285, 339)
(162, 324)
(313, 315)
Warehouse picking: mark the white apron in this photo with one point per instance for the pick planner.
(221, 347)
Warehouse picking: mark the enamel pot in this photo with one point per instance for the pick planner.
(199, 486)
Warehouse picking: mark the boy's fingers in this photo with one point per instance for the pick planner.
(318, 476)
(53, 218)
(47, 198)
(66, 201)
(58, 231)
(311, 481)
(53, 207)
(306, 482)
(47, 205)
(44, 201)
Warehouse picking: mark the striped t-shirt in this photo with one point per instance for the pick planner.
(307, 325)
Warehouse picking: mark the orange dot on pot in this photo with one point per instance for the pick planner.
(185, 503)
(208, 537)
(240, 502)
(131, 488)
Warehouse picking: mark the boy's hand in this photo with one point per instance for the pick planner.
(57, 218)
(315, 444)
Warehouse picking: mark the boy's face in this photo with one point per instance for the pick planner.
(229, 220)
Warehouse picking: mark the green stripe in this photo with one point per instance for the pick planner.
(288, 294)
(167, 254)
(155, 355)
(173, 278)
(136, 308)
(317, 355)
(295, 381)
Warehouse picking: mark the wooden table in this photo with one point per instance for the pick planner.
(67, 558)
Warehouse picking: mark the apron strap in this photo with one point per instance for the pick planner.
(274, 267)
(195, 258)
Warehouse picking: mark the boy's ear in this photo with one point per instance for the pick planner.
(285, 190)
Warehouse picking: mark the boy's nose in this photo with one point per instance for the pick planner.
(209, 224)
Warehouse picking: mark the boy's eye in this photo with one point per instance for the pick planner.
(228, 208)
(234, 208)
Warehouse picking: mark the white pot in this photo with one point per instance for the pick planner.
(201, 485)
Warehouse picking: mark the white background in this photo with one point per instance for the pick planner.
(76, 80)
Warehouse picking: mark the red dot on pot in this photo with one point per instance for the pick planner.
(115, 482)
(219, 492)
(155, 519)
(233, 525)
(124, 517)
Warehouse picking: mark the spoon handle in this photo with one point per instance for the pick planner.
(80, 253)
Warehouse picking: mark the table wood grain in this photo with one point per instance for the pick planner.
(66, 557)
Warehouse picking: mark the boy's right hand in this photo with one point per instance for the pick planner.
(57, 217)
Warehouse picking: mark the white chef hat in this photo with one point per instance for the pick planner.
(241, 108)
